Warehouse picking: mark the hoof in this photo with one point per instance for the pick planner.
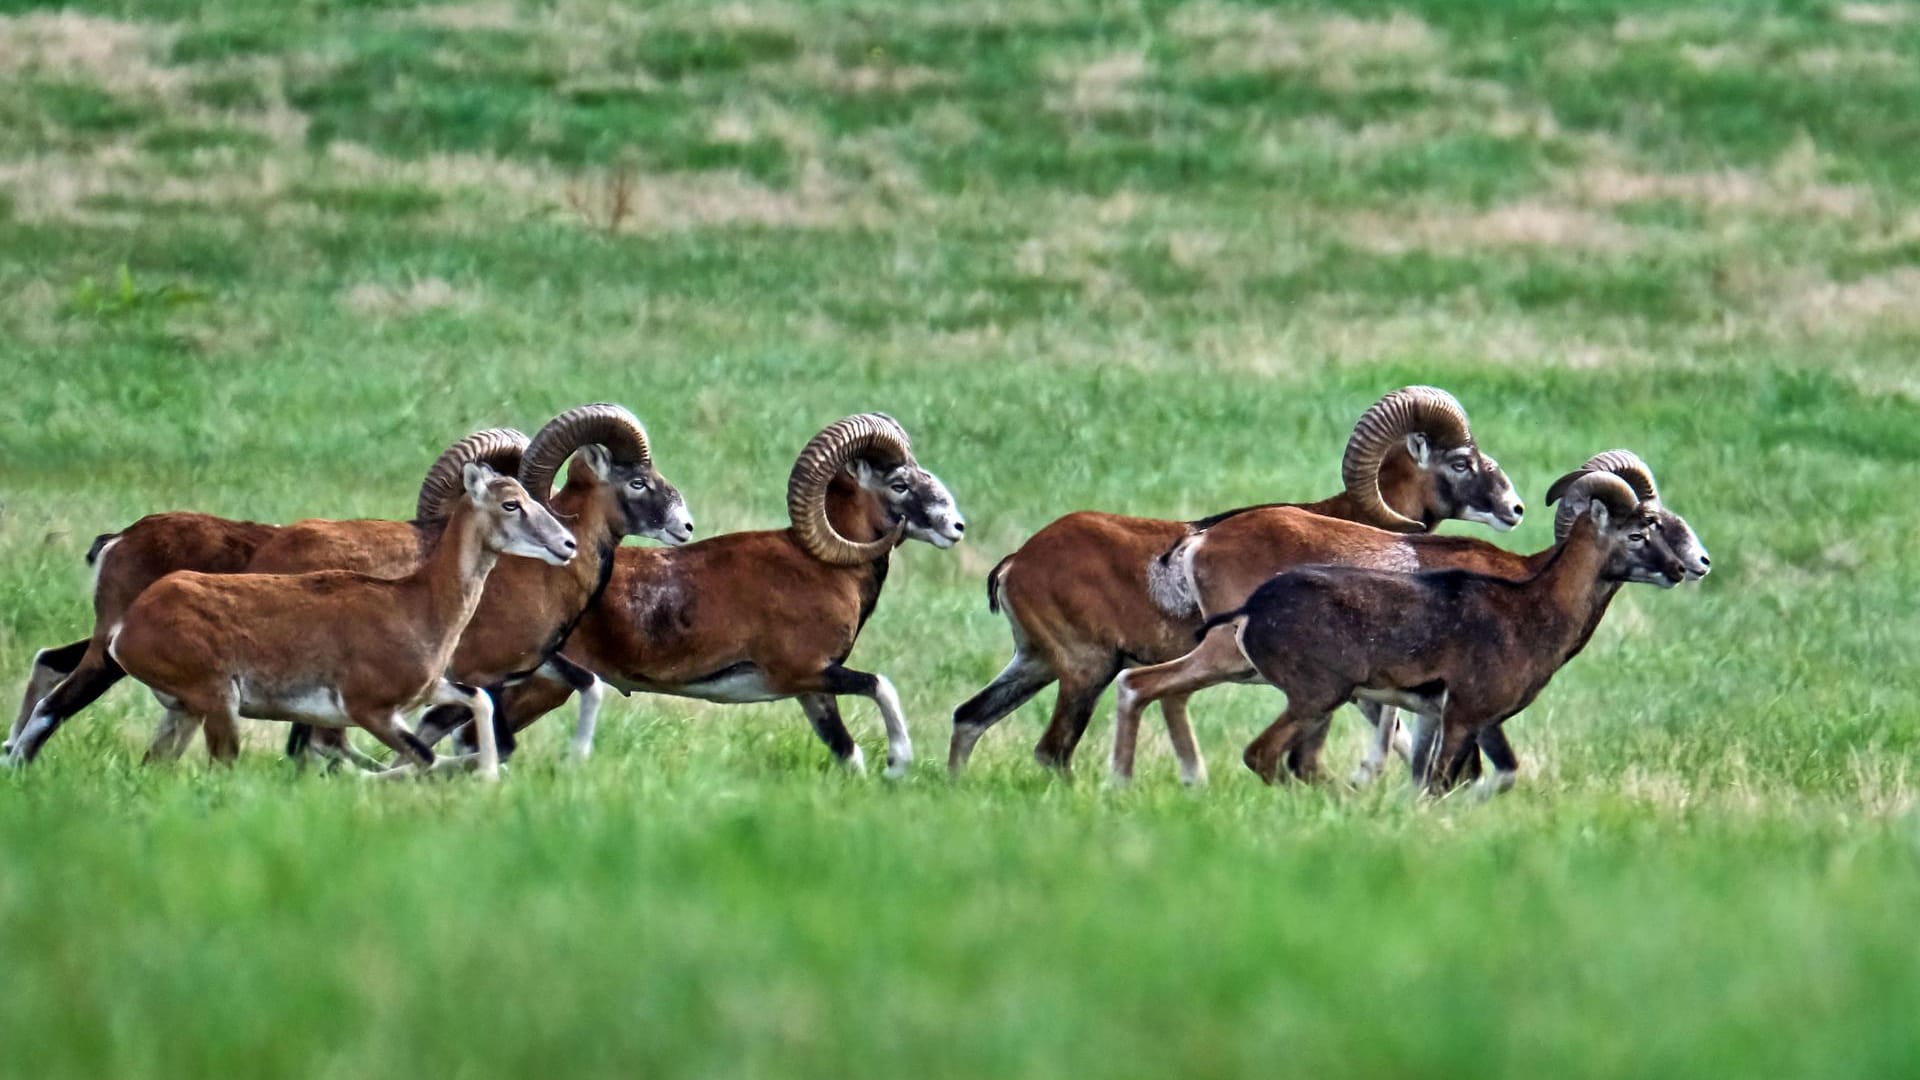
(1051, 763)
(897, 770)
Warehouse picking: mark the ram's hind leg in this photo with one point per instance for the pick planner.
(50, 666)
(1024, 676)
(1080, 690)
(1309, 706)
(93, 676)
(173, 736)
(412, 756)
(1215, 660)
(485, 762)
(1492, 742)
(337, 748)
(1438, 740)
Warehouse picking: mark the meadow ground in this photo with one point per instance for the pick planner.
(265, 260)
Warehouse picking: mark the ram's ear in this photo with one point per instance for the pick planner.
(1419, 448)
(867, 474)
(1597, 509)
(477, 476)
(598, 459)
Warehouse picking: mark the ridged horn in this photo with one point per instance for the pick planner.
(1619, 496)
(609, 425)
(1624, 464)
(500, 449)
(1425, 409)
(868, 435)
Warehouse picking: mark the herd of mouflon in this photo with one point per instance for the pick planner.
(504, 597)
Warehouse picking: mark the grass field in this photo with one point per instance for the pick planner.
(266, 260)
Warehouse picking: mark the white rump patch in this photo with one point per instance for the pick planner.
(100, 562)
(1170, 581)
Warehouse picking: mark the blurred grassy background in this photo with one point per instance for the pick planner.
(1144, 257)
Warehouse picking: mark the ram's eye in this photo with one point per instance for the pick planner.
(900, 489)
(1460, 466)
(511, 506)
(1637, 537)
(637, 485)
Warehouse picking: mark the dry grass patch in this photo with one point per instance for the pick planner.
(668, 202)
(1325, 334)
(1668, 25)
(1889, 301)
(821, 71)
(415, 297)
(1874, 14)
(1462, 231)
(482, 15)
(1777, 193)
(1102, 85)
(114, 54)
(1848, 63)
(1341, 51)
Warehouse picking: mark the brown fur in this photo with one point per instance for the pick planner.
(378, 644)
(527, 604)
(1077, 596)
(1464, 650)
(1229, 561)
(750, 606)
(125, 564)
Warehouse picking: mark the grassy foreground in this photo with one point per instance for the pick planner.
(1146, 257)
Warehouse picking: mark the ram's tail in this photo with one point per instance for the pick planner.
(993, 584)
(1221, 619)
(99, 545)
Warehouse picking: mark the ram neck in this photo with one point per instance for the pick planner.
(592, 530)
(456, 573)
(1347, 508)
(1569, 589)
(855, 514)
(1602, 600)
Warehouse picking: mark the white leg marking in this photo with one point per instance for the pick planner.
(1423, 729)
(35, 731)
(487, 766)
(899, 743)
(173, 736)
(590, 698)
(856, 762)
(1386, 732)
(960, 750)
(1186, 749)
(1499, 782)
(40, 683)
(1126, 731)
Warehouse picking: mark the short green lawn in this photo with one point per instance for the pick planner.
(1143, 257)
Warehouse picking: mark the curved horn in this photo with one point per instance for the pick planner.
(609, 425)
(498, 448)
(869, 435)
(1411, 408)
(1605, 486)
(1624, 464)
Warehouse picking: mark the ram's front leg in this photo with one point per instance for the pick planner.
(839, 680)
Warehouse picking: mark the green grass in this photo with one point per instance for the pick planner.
(1142, 257)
